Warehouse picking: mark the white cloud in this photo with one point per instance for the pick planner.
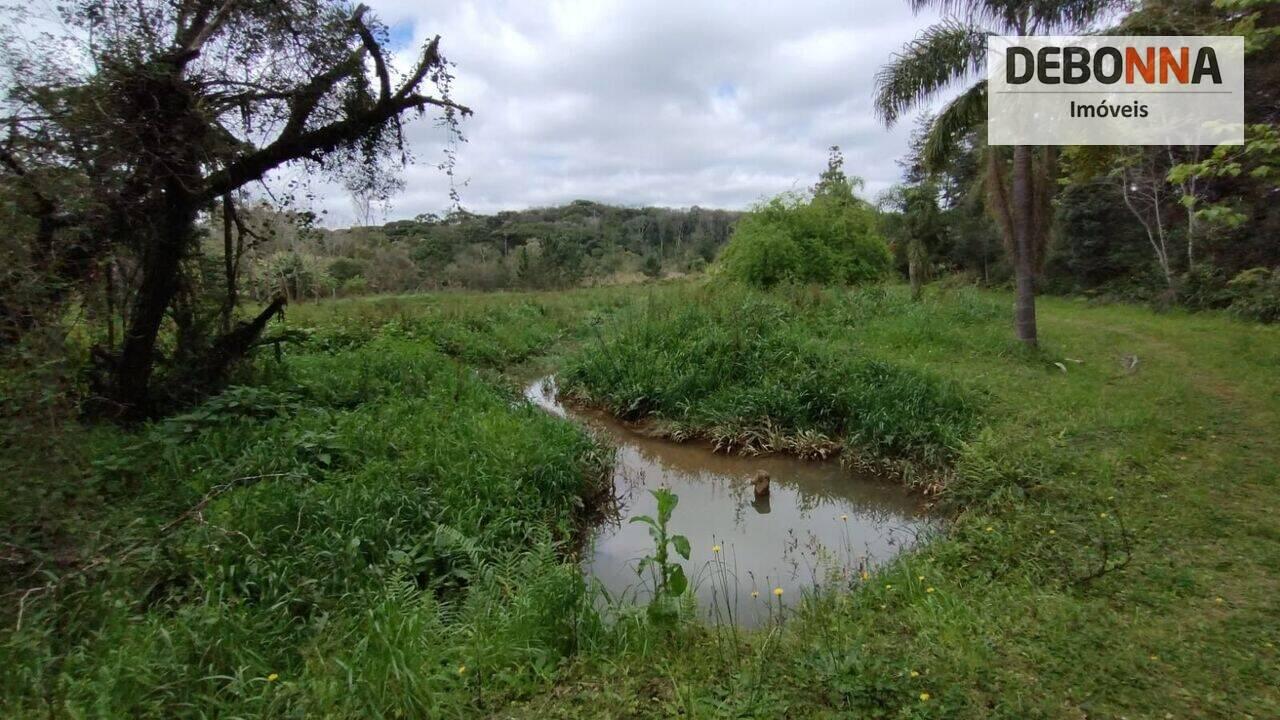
(694, 102)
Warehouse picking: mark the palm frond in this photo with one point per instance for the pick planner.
(997, 14)
(1048, 17)
(1023, 17)
(941, 55)
(959, 117)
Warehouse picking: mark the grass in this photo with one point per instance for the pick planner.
(401, 551)
(497, 330)
(1111, 552)
(761, 373)
(337, 538)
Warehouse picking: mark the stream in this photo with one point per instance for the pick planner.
(820, 520)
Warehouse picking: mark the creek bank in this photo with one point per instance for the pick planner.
(822, 522)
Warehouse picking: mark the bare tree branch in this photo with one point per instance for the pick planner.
(375, 50)
(430, 58)
(294, 144)
(204, 33)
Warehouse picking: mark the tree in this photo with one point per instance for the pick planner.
(952, 51)
(1099, 244)
(830, 237)
(652, 266)
(833, 184)
(1141, 175)
(917, 226)
(562, 259)
(1257, 159)
(169, 107)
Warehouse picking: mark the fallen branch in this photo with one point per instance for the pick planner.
(212, 495)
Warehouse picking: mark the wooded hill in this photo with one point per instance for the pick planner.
(581, 242)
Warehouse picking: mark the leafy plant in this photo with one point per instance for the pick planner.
(670, 581)
(1258, 158)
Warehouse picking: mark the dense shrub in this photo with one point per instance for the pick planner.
(1252, 294)
(1255, 294)
(828, 240)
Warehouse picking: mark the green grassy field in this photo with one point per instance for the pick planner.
(377, 527)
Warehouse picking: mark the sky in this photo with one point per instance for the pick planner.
(692, 102)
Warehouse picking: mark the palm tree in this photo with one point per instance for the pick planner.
(955, 50)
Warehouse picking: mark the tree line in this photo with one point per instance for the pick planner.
(135, 141)
(1186, 225)
(582, 242)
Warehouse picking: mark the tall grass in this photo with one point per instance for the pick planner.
(368, 531)
(759, 372)
(374, 528)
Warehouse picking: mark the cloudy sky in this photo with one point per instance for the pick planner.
(693, 102)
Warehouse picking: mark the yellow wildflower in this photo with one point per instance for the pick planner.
(1217, 599)
(273, 677)
(462, 669)
(924, 697)
(919, 577)
(844, 517)
(1102, 515)
(777, 591)
(715, 549)
(928, 590)
(1053, 532)
(755, 594)
(915, 674)
(989, 528)
(865, 576)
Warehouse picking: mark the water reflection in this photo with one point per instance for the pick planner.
(818, 519)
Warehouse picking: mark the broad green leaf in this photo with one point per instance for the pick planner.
(681, 544)
(677, 583)
(667, 501)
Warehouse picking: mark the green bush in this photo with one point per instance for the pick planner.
(354, 286)
(1255, 294)
(1252, 294)
(344, 269)
(792, 238)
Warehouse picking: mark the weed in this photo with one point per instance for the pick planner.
(669, 580)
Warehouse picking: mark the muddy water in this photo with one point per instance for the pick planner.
(818, 519)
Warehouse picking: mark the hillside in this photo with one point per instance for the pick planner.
(582, 242)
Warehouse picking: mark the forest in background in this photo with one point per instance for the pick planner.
(1186, 226)
(152, 244)
(1147, 247)
(580, 243)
